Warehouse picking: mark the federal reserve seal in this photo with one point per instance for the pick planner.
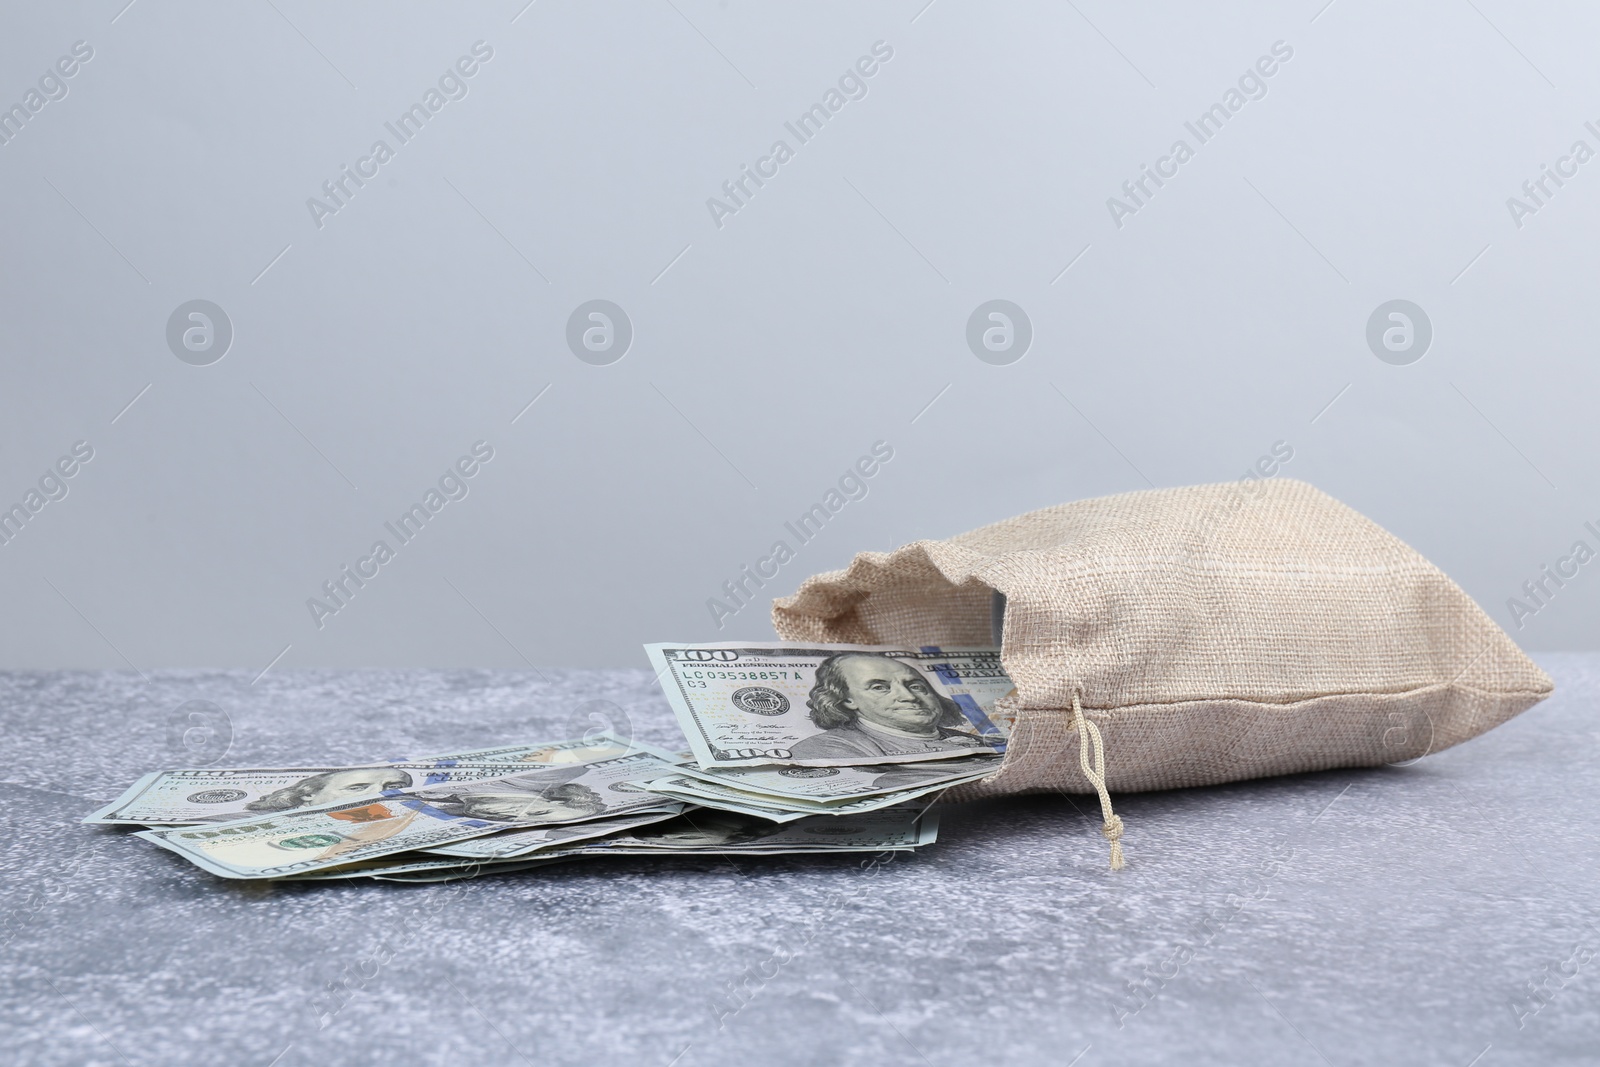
(809, 772)
(759, 700)
(217, 796)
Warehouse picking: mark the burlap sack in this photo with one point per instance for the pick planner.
(1212, 633)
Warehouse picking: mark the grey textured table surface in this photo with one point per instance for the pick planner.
(1440, 913)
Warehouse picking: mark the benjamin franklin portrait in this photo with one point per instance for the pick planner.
(870, 705)
(332, 786)
(570, 802)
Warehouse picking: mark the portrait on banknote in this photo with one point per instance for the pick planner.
(507, 803)
(329, 787)
(870, 705)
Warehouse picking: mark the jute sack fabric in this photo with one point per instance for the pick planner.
(1209, 634)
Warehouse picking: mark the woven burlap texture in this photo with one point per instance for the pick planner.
(1213, 632)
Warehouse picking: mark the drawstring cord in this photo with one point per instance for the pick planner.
(1096, 773)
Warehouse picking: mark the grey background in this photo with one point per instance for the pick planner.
(1228, 314)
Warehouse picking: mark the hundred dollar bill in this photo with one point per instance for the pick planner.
(222, 794)
(309, 839)
(510, 844)
(600, 746)
(419, 867)
(781, 809)
(462, 869)
(829, 785)
(703, 833)
(712, 796)
(404, 863)
(506, 845)
(719, 833)
(750, 704)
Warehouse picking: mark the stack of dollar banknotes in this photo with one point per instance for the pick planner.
(793, 750)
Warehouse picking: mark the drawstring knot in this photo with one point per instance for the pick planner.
(1095, 772)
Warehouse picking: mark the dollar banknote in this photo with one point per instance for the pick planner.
(511, 844)
(712, 833)
(458, 870)
(223, 794)
(750, 704)
(779, 809)
(907, 826)
(540, 753)
(828, 785)
(696, 832)
(684, 791)
(316, 838)
(410, 863)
